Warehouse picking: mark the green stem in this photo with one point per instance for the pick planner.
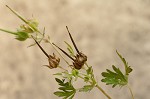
(103, 91)
(130, 91)
(17, 14)
(20, 17)
(97, 86)
(8, 31)
(86, 64)
(63, 68)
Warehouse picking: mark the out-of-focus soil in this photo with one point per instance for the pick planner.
(99, 27)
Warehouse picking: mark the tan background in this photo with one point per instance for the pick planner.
(99, 27)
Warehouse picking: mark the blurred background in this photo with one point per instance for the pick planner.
(99, 27)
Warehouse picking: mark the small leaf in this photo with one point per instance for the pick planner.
(129, 70)
(75, 72)
(86, 79)
(58, 80)
(114, 78)
(89, 70)
(67, 91)
(59, 93)
(86, 88)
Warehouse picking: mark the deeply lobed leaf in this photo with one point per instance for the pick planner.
(67, 91)
(116, 77)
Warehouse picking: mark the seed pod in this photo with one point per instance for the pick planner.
(79, 61)
(52, 59)
(80, 58)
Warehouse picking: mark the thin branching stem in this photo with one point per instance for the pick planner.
(97, 86)
(130, 91)
(86, 64)
(8, 31)
(23, 19)
(63, 68)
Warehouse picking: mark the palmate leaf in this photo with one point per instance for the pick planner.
(116, 77)
(66, 89)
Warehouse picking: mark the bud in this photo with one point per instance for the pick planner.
(30, 27)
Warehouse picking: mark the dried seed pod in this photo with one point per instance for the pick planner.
(79, 59)
(52, 59)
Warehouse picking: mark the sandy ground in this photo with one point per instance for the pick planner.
(99, 27)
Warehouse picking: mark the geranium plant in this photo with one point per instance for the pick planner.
(78, 69)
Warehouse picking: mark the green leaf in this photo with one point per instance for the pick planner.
(86, 79)
(70, 49)
(59, 81)
(89, 70)
(128, 68)
(86, 88)
(75, 72)
(114, 78)
(66, 89)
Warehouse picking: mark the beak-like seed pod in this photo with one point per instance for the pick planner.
(52, 59)
(79, 59)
